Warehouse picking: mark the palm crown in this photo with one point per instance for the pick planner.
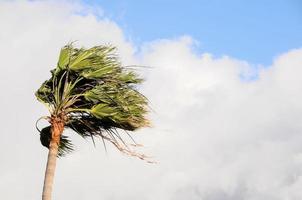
(92, 94)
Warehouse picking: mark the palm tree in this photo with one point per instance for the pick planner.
(91, 93)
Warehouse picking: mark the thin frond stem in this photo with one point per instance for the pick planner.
(130, 137)
(103, 141)
(92, 139)
(77, 110)
(43, 117)
(119, 137)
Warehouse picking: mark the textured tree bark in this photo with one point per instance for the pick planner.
(57, 128)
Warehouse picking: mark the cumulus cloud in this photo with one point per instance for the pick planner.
(230, 139)
(217, 134)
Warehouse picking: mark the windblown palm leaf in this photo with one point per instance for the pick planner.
(93, 95)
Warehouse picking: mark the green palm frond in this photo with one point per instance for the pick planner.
(94, 95)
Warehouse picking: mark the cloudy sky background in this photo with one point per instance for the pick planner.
(225, 127)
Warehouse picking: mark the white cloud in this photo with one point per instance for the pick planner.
(216, 136)
(229, 135)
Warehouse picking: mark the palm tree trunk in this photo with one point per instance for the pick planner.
(56, 131)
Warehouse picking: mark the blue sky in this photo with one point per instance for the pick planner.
(256, 31)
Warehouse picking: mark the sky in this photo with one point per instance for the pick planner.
(226, 122)
(256, 31)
